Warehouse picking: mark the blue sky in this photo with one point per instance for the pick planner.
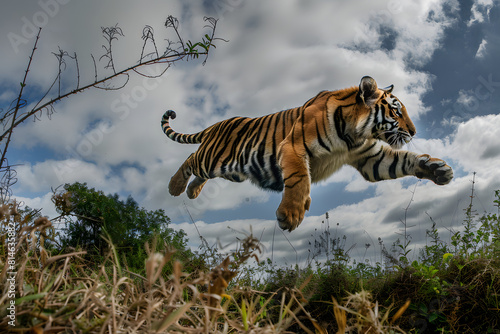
(442, 57)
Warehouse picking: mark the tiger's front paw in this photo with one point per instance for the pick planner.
(291, 213)
(433, 169)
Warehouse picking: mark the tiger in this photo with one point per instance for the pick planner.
(362, 126)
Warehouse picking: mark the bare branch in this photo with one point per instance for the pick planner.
(77, 71)
(148, 35)
(153, 76)
(11, 118)
(19, 104)
(95, 68)
(8, 179)
(110, 34)
(172, 22)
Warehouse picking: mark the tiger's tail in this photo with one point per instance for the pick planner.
(176, 136)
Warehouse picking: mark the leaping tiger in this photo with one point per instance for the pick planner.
(290, 149)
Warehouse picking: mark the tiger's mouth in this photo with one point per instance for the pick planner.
(396, 139)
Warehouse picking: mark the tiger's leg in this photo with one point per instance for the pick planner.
(381, 162)
(195, 187)
(179, 181)
(296, 199)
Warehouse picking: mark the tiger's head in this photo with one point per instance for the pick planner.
(386, 118)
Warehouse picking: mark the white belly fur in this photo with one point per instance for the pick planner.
(324, 166)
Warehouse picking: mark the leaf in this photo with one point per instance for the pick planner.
(171, 318)
(400, 311)
(244, 314)
(30, 297)
(433, 317)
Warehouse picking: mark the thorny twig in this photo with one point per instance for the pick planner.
(111, 34)
(19, 104)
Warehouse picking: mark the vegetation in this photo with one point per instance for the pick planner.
(74, 282)
(89, 215)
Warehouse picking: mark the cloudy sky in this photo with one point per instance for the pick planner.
(442, 57)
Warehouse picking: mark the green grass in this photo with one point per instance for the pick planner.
(450, 288)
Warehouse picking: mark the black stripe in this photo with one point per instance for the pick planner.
(326, 123)
(312, 100)
(284, 126)
(198, 137)
(217, 135)
(276, 119)
(376, 174)
(225, 136)
(289, 176)
(250, 140)
(261, 151)
(363, 128)
(320, 141)
(273, 163)
(276, 170)
(309, 153)
(241, 136)
(363, 162)
(392, 168)
(339, 122)
(236, 140)
(243, 146)
(255, 170)
(368, 149)
(293, 185)
(405, 160)
(374, 155)
(347, 96)
(293, 137)
(340, 127)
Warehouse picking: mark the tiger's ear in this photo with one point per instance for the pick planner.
(368, 90)
(388, 89)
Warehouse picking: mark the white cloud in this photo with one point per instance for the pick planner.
(43, 202)
(480, 11)
(475, 144)
(468, 100)
(481, 50)
(49, 174)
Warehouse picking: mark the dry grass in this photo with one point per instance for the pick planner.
(63, 293)
(366, 316)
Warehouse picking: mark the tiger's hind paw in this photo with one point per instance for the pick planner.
(433, 169)
(175, 188)
(178, 183)
(195, 187)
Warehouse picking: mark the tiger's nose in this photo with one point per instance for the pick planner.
(412, 132)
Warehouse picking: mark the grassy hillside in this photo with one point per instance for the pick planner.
(451, 288)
